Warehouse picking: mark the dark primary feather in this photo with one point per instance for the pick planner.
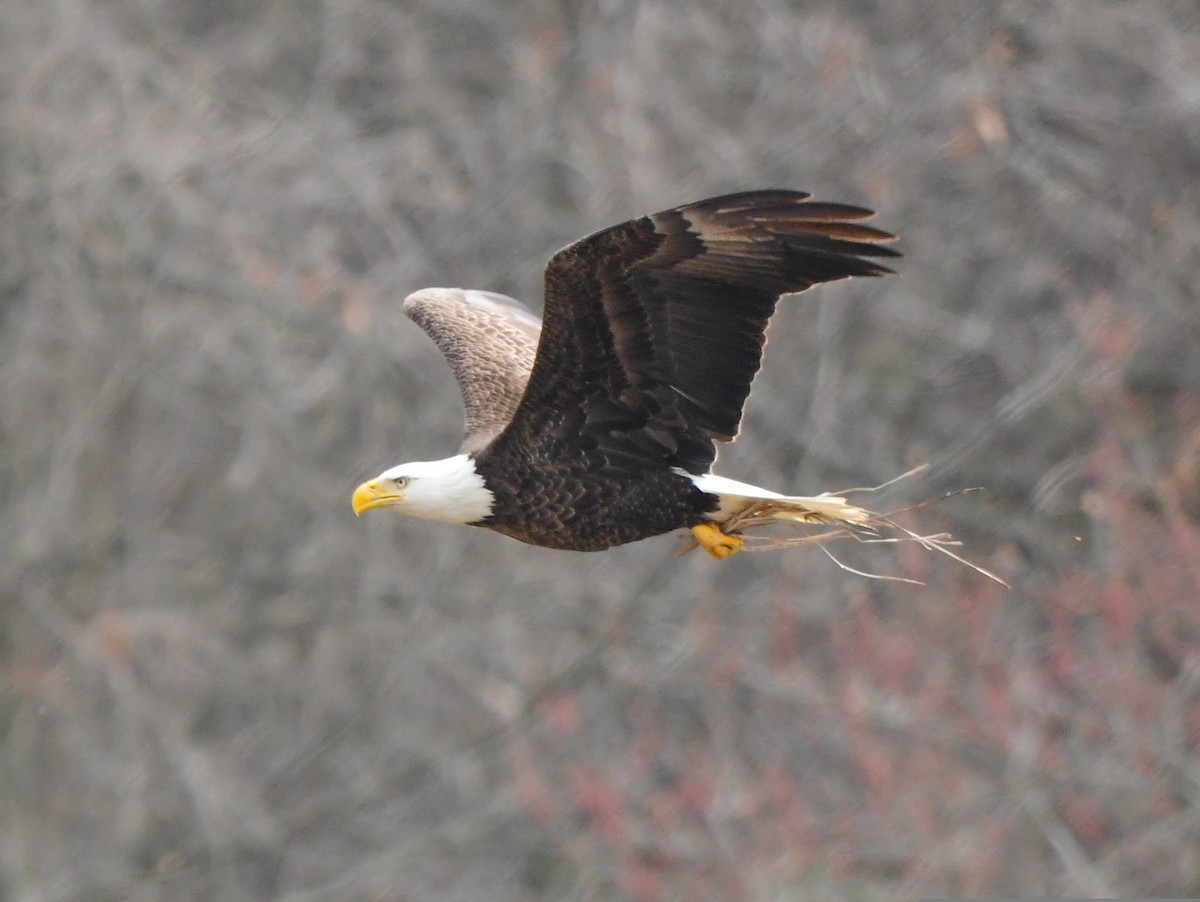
(653, 329)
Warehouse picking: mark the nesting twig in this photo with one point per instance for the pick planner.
(837, 519)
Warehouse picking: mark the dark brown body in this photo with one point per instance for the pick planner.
(572, 509)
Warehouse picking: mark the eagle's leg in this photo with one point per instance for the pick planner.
(719, 545)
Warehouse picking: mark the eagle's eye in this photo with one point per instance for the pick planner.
(400, 481)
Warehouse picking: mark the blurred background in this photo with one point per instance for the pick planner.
(216, 683)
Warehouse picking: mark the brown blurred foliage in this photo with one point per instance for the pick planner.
(215, 683)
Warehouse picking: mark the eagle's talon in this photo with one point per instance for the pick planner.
(719, 545)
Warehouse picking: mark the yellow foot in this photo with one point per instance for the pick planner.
(709, 537)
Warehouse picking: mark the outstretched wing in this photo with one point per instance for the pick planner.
(489, 340)
(654, 329)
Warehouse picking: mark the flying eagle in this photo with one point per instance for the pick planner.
(598, 425)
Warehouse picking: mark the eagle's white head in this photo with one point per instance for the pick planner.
(449, 490)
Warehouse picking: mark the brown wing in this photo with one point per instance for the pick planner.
(489, 340)
(654, 329)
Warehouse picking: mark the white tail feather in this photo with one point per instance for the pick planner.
(818, 509)
(738, 499)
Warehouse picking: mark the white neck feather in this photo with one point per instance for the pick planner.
(449, 490)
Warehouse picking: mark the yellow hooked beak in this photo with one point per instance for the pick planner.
(373, 493)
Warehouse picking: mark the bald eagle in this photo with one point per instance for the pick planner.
(598, 425)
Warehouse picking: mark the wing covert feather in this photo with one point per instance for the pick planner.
(490, 341)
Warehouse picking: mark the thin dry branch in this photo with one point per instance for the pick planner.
(842, 520)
